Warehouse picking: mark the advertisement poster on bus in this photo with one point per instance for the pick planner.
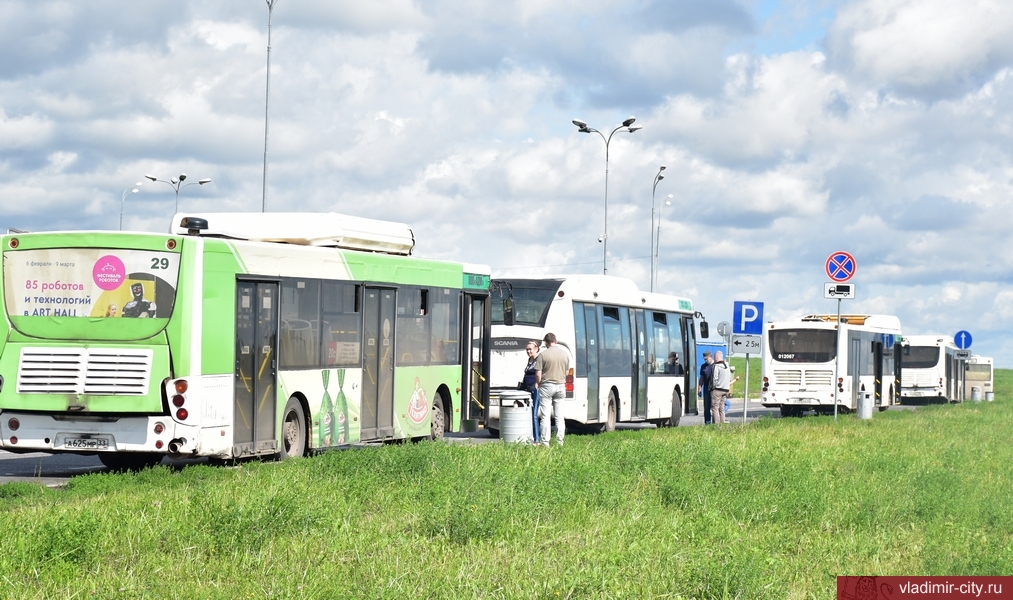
(90, 282)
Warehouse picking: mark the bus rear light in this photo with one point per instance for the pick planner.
(158, 444)
(14, 439)
(182, 414)
(178, 400)
(181, 386)
(13, 424)
(159, 428)
(569, 382)
(14, 243)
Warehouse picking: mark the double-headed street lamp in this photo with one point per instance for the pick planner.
(176, 183)
(657, 179)
(583, 128)
(130, 190)
(657, 246)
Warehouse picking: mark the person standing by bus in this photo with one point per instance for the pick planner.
(703, 387)
(550, 373)
(721, 377)
(530, 385)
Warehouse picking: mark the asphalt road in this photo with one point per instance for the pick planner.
(55, 470)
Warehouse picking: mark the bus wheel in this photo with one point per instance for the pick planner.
(610, 420)
(293, 430)
(673, 421)
(439, 420)
(129, 461)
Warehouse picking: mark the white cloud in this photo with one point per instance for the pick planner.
(923, 44)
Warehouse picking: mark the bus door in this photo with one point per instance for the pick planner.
(378, 312)
(477, 314)
(855, 368)
(592, 325)
(256, 364)
(877, 371)
(692, 368)
(639, 368)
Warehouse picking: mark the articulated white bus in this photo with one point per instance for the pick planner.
(620, 339)
(799, 363)
(931, 370)
(979, 373)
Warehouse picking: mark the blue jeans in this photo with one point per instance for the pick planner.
(551, 405)
(534, 416)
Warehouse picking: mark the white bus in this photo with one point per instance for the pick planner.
(931, 370)
(979, 373)
(620, 339)
(799, 363)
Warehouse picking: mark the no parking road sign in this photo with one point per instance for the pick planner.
(841, 266)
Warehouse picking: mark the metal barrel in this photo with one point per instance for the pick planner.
(975, 394)
(515, 421)
(864, 405)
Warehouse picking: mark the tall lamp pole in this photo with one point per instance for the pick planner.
(657, 179)
(177, 182)
(583, 128)
(657, 246)
(130, 190)
(267, 98)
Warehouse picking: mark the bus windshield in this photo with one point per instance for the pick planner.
(979, 372)
(531, 297)
(803, 345)
(920, 357)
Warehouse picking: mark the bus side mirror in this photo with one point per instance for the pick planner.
(705, 330)
(508, 311)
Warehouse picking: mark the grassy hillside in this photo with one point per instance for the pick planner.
(775, 509)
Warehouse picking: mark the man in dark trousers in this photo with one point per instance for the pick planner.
(703, 386)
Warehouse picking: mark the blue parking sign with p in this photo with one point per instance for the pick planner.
(748, 318)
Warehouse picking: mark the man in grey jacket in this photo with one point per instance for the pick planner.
(721, 377)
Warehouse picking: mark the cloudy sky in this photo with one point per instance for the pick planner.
(790, 129)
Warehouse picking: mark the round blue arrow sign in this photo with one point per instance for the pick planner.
(841, 266)
(962, 339)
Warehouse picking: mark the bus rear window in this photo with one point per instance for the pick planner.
(90, 282)
(803, 345)
(920, 357)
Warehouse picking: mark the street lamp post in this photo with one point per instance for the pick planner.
(130, 190)
(267, 98)
(583, 128)
(177, 182)
(657, 179)
(657, 246)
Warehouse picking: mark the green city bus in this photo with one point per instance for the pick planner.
(236, 335)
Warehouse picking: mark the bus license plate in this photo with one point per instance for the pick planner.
(86, 443)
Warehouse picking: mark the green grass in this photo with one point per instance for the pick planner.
(775, 509)
(755, 376)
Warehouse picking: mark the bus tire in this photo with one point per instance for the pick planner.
(610, 417)
(673, 421)
(293, 430)
(129, 461)
(493, 432)
(438, 421)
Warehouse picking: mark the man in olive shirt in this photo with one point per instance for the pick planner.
(550, 374)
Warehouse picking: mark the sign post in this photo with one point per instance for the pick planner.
(840, 267)
(748, 320)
